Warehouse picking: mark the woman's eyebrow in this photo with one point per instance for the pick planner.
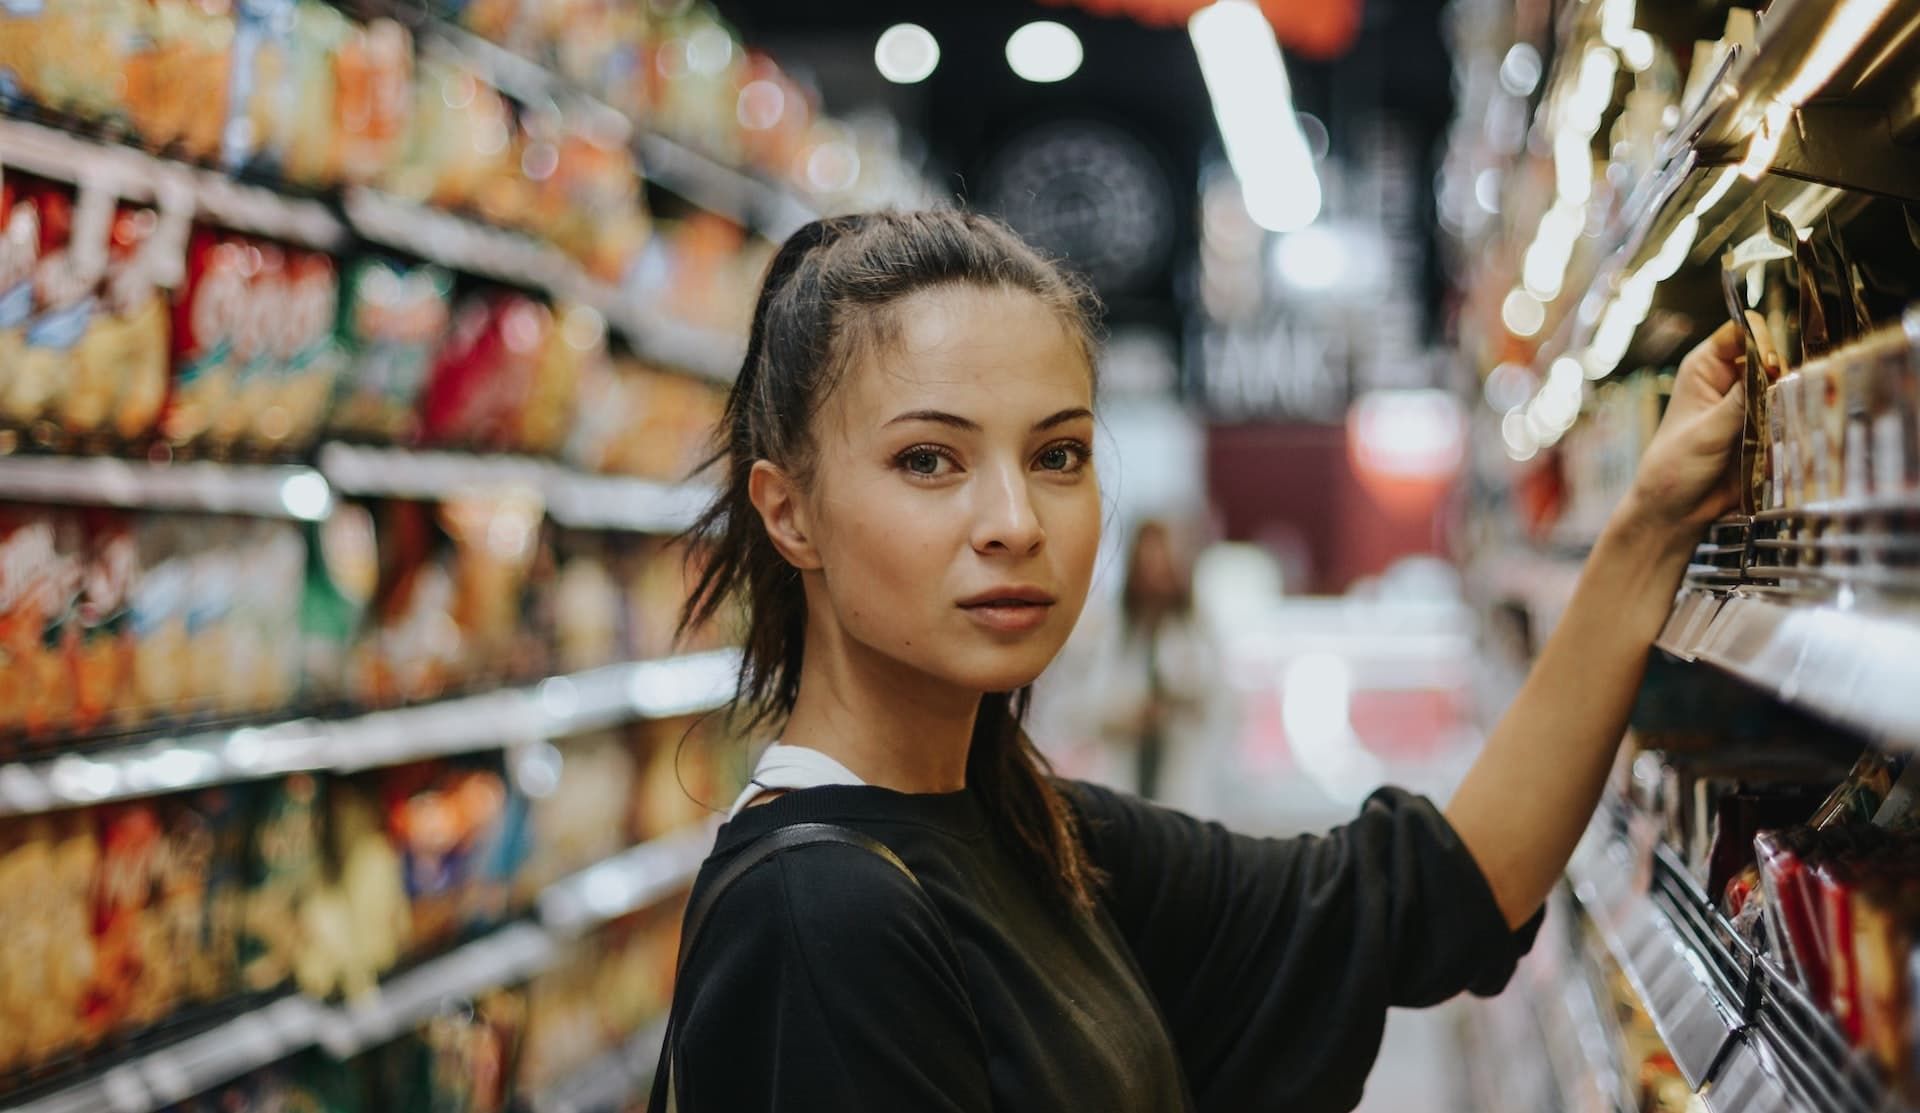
(1063, 417)
(941, 417)
(938, 417)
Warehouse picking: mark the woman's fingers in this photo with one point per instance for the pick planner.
(1714, 364)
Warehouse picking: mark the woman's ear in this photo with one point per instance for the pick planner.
(782, 510)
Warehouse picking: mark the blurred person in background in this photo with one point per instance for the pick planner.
(1151, 687)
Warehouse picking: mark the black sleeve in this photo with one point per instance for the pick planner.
(1275, 960)
(823, 981)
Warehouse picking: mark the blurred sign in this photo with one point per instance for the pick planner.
(1315, 28)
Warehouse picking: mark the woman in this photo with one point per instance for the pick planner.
(911, 516)
(1149, 684)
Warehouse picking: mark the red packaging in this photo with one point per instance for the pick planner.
(103, 655)
(208, 315)
(1835, 885)
(484, 378)
(126, 949)
(1791, 912)
(439, 819)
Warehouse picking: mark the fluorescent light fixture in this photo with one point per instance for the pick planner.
(1847, 26)
(1766, 140)
(1312, 259)
(907, 53)
(1044, 52)
(1253, 103)
(306, 496)
(1520, 69)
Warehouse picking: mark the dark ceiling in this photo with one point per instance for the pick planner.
(1144, 81)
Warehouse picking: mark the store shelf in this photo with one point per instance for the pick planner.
(721, 189)
(178, 1071)
(509, 955)
(575, 499)
(1742, 1034)
(1828, 142)
(554, 708)
(626, 883)
(708, 353)
(1851, 666)
(458, 243)
(708, 183)
(268, 492)
(609, 1083)
(136, 175)
(1694, 1015)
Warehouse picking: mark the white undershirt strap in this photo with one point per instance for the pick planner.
(785, 768)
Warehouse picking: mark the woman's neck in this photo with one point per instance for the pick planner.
(890, 725)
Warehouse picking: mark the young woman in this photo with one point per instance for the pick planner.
(911, 515)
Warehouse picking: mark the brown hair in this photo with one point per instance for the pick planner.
(827, 295)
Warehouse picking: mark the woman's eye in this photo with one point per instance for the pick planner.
(1062, 457)
(922, 461)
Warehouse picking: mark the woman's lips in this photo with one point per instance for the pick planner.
(1009, 616)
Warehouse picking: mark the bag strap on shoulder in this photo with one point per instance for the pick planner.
(759, 850)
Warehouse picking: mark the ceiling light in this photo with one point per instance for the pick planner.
(1520, 69)
(1044, 51)
(1522, 313)
(907, 53)
(1253, 104)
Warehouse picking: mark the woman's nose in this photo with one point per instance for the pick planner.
(1004, 516)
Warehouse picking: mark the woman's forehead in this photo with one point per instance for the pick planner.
(987, 349)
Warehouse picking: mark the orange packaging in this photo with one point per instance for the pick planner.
(373, 71)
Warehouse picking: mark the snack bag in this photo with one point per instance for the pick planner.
(177, 92)
(256, 348)
(103, 666)
(210, 313)
(311, 359)
(200, 888)
(72, 248)
(128, 955)
(584, 819)
(577, 342)
(373, 68)
(342, 574)
(1793, 926)
(454, 146)
(589, 611)
(412, 647)
(484, 376)
(438, 820)
(47, 866)
(392, 320)
(19, 258)
(283, 869)
(495, 540)
(357, 925)
(120, 369)
(301, 132)
(72, 52)
(211, 630)
(265, 651)
(260, 69)
(45, 555)
(158, 610)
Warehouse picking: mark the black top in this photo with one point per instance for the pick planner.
(1219, 972)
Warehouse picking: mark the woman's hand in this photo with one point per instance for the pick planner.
(1687, 477)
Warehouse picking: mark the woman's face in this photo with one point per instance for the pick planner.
(954, 507)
